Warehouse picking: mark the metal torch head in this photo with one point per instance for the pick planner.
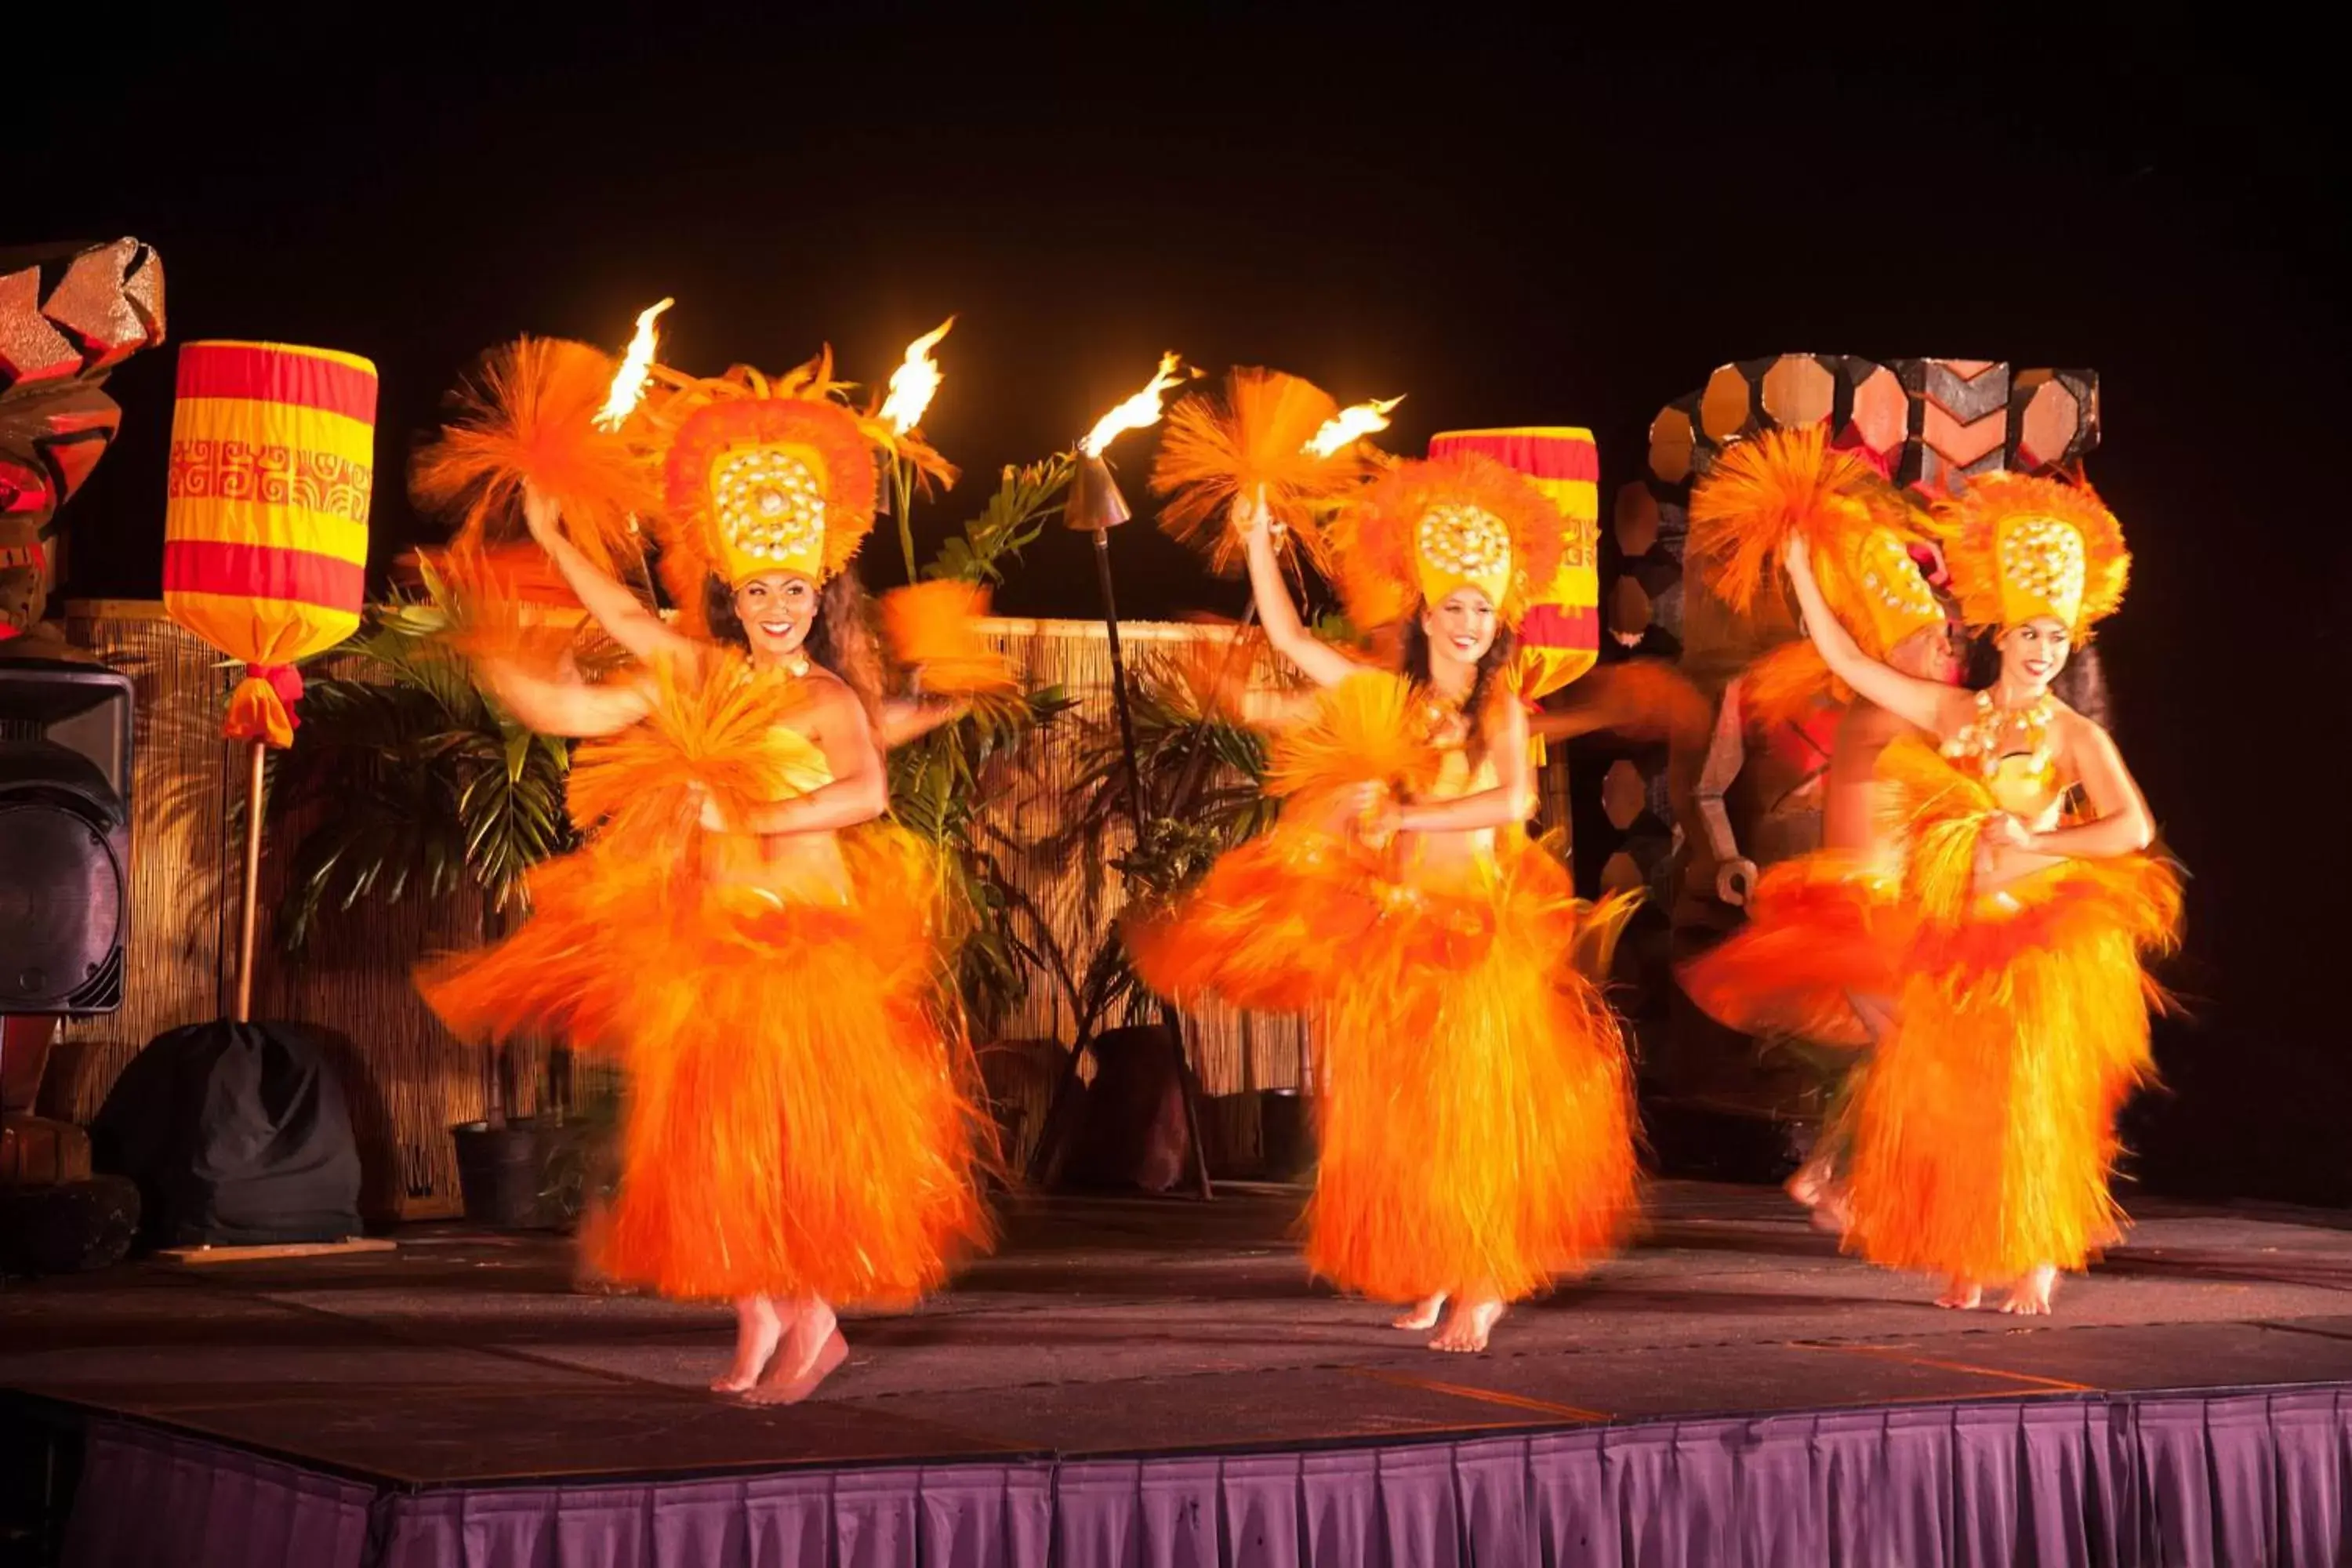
(1095, 503)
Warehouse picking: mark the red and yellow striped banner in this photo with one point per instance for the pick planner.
(1559, 638)
(264, 534)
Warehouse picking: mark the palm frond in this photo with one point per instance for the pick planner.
(1026, 497)
(409, 778)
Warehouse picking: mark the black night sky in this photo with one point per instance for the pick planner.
(1511, 222)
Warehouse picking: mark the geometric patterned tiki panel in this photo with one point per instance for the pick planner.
(68, 316)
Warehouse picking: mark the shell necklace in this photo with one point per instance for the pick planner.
(1996, 733)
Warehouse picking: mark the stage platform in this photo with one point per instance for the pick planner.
(1152, 1381)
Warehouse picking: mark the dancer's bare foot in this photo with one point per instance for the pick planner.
(810, 1354)
(1467, 1326)
(1834, 1213)
(2030, 1297)
(1962, 1296)
(1423, 1315)
(758, 1328)
(1807, 1184)
(1819, 1190)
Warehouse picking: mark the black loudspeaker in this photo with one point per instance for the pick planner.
(65, 835)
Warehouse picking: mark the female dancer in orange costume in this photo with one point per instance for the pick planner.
(1984, 1132)
(798, 1134)
(1791, 970)
(1476, 1110)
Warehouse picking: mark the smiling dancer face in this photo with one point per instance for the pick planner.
(1460, 629)
(2032, 655)
(776, 609)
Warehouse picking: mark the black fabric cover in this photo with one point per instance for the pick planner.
(237, 1134)
(1133, 1131)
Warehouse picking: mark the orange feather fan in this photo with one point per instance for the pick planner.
(717, 728)
(504, 602)
(1940, 811)
(1368, 729)
(934, 628)
(1764, 491)
(1373, 539)
(1215, 452)
(528, 417)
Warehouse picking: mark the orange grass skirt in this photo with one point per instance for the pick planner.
(1984, 1133)
(1475, 1105)
(798, 1117)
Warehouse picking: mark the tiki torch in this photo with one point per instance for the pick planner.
(1096, 507)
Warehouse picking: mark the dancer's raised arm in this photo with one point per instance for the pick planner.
(569, 708)
(624, 617)
(1931, 705)
(1316, 659)
(906, 719)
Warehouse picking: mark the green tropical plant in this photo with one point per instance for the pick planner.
(429, 783)
(942, 784)
(1026, 496)
(1203, 782)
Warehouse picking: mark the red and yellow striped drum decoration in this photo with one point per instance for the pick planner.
(265, 536)
(1559, 638)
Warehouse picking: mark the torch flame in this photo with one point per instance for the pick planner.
(1136, 412)
(637, 365)
(916, 381)
(1350, 425)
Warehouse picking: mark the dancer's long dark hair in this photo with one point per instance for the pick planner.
(1415, 647)
(2081, 685)
(841, 638)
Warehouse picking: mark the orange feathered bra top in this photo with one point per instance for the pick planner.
(1456, 776)
(2025, 789)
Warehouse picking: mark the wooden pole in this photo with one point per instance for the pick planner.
(253, 789)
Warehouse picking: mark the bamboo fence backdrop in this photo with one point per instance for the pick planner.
(407, 1080)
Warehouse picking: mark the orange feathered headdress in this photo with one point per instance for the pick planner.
(767, 474)
(770, 484)
(1255, 438)
(2022, 547)
(528, 417)
(1432, 526)
(1789, 483)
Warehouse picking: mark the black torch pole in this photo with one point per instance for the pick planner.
(1097, 506)
(1136, 812)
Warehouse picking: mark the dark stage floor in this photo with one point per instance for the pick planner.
(1110, 1326)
